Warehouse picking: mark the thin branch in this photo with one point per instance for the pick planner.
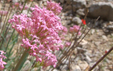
(101, 59)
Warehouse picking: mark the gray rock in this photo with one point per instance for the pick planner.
(68, 7)
(104, 37)
(55, 70)
(63, 68)
(76, 20)
(68, 1)
(14, 1)
(109, 27)
(68, 18)
(76, 59)
(83, 65)
(88, 59)
(81, 50)
(62, 1)
(97, 43)
(66, 61)
(79, 3)
(68, 21)
(92, 31)
(80, 12)
(75, 67)
(102, 9)
(83, 42)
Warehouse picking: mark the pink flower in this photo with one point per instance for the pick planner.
(55, 7)
(3, 13)
(2, 54)
(21, 7)
(26, 43)
(74, 29)
(2, 63)
(65, 30)
(71, 29)
(41, 34)
(67, 44)
(16, 4)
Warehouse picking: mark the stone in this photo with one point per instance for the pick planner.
(76, 59)
(83, 64)
(102, 9)
(81, 50)
(64, 68)
(92, 31)
(88, 59)
(62, 1)
(83, 42)
(55, 70)
(97, 43)
(75, 51)
(68, 7)
(14, 1)
(79, 3)
(68, 22)
(66, 61)
(76, 20)
(68, 1)
(80, 12)
(75, 67)
(104, 37)
(69, 18)
(109, 27)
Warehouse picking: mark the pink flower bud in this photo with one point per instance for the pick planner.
(16, 4)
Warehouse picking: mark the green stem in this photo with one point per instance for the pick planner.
(9, 39)
(14, 29)
(21, 61)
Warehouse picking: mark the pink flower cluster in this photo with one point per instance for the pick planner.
(2, 63)
(55, 7)
(3, 12)
(74, 29)
(67, 44)
(40, 34)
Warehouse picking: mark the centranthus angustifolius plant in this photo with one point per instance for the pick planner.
(40, 33)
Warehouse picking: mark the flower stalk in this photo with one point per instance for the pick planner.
(21, 61)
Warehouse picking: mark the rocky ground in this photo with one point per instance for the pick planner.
(99, 39)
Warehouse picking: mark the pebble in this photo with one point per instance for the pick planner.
(83, 64)
(81, 50)
(75, 68)
(76, 20)
(104, 37)
(88, 59)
